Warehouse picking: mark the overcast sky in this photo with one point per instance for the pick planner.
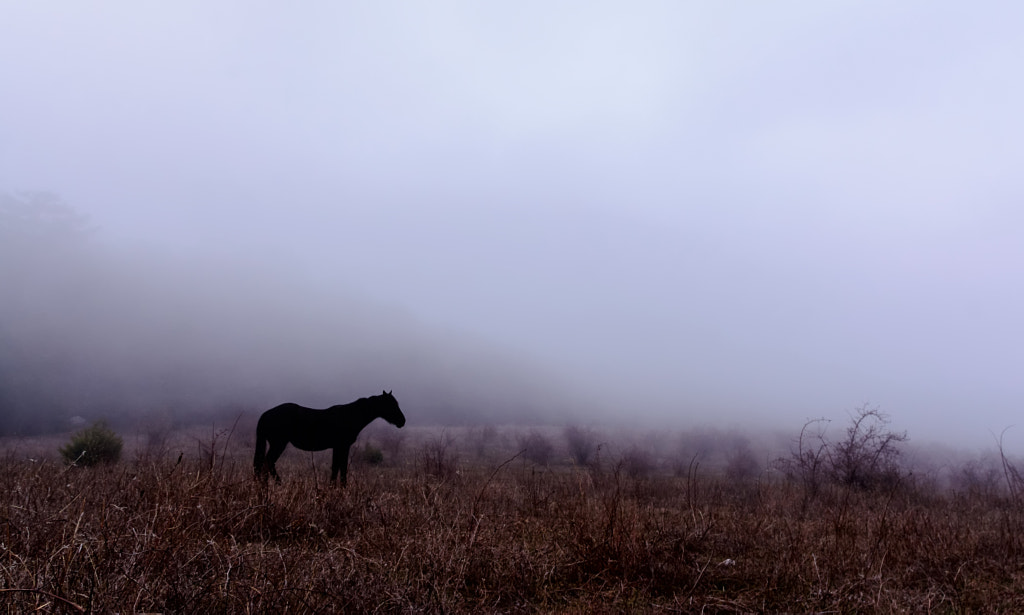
(761, 211)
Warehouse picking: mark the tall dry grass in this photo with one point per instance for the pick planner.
(442, 530)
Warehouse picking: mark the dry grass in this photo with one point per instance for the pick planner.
(442, 530)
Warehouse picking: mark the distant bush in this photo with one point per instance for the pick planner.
(390, 442)
(582, 444)
(484, 440)
(438, 457)
(742, 465)
(93, 445)
(638, 462)
(371, 455)
(980, 478)
(536, 447)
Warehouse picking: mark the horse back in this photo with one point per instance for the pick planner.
(275, 418)
(305, 428)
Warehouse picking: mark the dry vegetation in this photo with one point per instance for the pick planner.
(493, 520)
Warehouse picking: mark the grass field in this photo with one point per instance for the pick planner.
(464, 521)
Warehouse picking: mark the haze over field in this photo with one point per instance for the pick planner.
(716, 213)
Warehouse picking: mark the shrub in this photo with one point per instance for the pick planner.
(485, 440)
(438, 459)
(93, 445)
(742, 465)
(582, 444)
(390, 442)
(807, 461)
(638, 462)
(371, 455)
(536, 447)
(866, 458)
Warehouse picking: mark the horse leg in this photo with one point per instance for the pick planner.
(276, 448)
(339, 463)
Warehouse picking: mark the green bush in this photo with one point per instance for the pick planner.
(93, 445)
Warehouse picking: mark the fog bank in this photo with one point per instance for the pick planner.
(98, 329)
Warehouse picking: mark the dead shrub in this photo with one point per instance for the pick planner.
(438, 457)
(867, 457)
(638, 462)
(582, 444)
(536, 447)
(742, 465)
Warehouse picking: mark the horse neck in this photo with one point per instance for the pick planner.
(362, 413)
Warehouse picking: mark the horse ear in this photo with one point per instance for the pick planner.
(383, 392)
(389, 392)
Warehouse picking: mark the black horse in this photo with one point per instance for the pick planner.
(315, 430)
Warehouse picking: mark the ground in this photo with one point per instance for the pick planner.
(472, 520)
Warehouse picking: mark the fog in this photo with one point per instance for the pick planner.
(108, 331)
(682, 213)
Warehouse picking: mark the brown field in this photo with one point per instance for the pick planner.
(457, 521)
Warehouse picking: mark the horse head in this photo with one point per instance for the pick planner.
(389, 410)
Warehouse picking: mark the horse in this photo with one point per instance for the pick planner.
(315, 430)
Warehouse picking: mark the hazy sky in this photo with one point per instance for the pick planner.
(724, 211)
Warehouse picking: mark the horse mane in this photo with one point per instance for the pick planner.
(368, 399)
(360, 404)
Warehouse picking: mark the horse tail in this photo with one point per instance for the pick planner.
(261, 451)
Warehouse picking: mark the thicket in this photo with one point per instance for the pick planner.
(865, 457)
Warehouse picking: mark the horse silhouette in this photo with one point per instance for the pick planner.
(315, 430)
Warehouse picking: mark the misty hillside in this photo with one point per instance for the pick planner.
(100, 330)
